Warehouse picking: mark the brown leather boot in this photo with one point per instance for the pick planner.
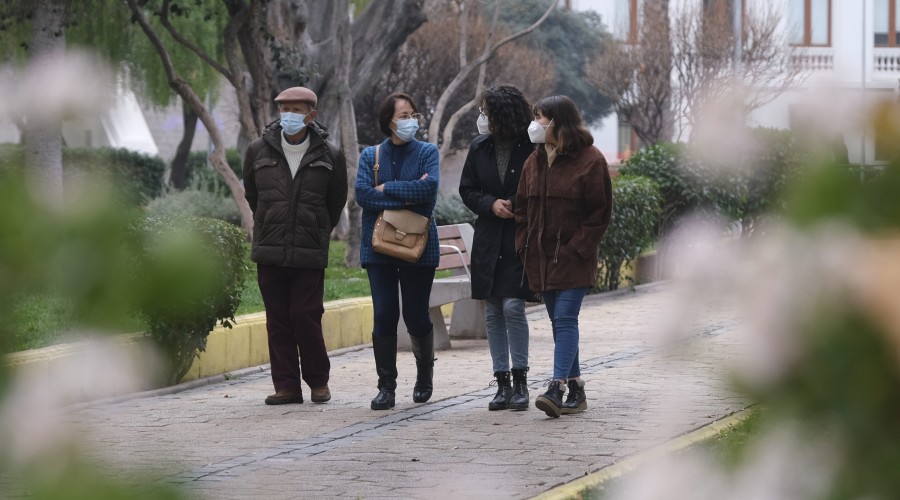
(285, 398)
(320, 394)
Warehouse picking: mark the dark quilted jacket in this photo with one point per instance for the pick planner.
(293, 218)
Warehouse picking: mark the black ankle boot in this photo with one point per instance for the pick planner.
(575, 400)
(519, 399)
(504, 392)
(385, 349)
(550, 402)
(423, 350)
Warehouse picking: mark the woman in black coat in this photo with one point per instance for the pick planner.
(488, 187)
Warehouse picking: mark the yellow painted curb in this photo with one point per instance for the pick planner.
(345, 323)
(576, 489)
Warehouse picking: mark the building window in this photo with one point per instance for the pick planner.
(628, 14)
(887, 23)
(810, 22)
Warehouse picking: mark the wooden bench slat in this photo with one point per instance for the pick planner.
(446, 232)
(452, 261)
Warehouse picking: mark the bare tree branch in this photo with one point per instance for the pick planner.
(437, 116)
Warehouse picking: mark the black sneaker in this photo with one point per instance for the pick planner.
(575, 399)
(550, 402)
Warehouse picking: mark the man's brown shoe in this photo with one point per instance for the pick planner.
(320, 394)
(285, 398)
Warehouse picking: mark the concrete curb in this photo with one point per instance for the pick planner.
(577, 489)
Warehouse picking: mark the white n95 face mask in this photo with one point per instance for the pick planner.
(483, 124)
(537, 132)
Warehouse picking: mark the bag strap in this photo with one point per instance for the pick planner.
(375, 168)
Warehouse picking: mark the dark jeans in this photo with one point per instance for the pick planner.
(294, 308)
(415, 287)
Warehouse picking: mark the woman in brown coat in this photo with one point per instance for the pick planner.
(563, 206)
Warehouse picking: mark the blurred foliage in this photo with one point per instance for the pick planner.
(451, 210)
(636, 207)
(73, 251)
(843, 382)
(181, 313)
(137, 176)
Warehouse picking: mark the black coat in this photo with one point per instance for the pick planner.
(496, 271)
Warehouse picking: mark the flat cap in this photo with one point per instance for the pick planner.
(297, 94)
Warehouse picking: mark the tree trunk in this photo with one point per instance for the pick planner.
(349, 139)
(43, 130)
(378, 34)
(184, 89)
(178, 168)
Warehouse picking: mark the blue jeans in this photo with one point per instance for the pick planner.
(563, 307)
(507, 332)
(415, 288)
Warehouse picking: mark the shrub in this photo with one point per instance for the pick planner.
(452, 210)
(778, 160)
(191, 273)
(197, 169)
(636, 206)
(663, 163)
(202, 198)
(752, 185)
(140, 175)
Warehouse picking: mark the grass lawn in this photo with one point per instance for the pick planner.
(727, 448)
(40, 320)
(340, 282)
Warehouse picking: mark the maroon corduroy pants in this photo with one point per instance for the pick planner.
(294, 306)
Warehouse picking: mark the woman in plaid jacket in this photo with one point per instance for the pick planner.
(408, 176)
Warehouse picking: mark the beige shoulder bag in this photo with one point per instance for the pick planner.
(401, 234)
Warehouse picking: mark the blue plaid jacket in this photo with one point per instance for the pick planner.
(400, 170)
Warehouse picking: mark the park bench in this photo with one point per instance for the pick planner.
(467, 319)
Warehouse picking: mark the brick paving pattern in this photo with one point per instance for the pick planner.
(220, 441)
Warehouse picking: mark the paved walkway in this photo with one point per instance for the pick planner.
(220, 441)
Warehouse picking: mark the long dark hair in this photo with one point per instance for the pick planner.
(508, 111)
(568, 129)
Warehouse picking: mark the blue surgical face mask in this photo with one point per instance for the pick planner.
(292, 123)
(407, 128)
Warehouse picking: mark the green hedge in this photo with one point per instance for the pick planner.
(138, 175)
(191, 271)
(636, 206)
(198, 171)
(751, 186)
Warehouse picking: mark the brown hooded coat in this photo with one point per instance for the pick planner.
(561, 213)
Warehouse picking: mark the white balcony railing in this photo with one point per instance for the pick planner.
(886, 59)
(814, 58)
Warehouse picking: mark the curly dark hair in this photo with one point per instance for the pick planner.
(508, 112)
(568, 130)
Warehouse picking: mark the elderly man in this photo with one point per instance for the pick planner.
(296, 184)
